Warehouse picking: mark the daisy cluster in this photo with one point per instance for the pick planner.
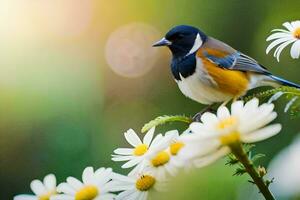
(156, 158)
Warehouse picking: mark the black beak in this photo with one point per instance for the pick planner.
(162, 42)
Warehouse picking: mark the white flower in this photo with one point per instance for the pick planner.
(136, 187)
(212, 138)
(175, 147)
(42, 190)
(141, 151)
(284, 168)
(95, 186)
(164, 162)
(282, 38)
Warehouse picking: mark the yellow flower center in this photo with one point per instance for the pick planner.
(228, 122)
(297, 33)
(87, 193)
(175, 148)
(145, 183)
(160, 159)
(46, 196)
(230, 138)
(140, 150)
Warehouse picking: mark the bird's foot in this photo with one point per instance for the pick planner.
(197, 116)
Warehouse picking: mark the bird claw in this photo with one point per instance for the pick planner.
(197, 116)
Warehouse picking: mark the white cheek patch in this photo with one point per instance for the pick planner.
(197, 44)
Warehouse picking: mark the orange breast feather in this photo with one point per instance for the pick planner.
(228, 81)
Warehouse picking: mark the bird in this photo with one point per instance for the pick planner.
(210, 71)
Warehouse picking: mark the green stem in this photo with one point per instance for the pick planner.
(241, 155)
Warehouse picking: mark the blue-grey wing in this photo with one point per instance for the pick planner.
(237, 61)
(234, 60)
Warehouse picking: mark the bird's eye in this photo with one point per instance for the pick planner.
(177, 36)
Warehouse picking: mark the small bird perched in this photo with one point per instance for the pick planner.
(210, 71)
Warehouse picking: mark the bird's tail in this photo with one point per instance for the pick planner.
(284, 82)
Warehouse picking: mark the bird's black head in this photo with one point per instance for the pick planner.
(182, 40)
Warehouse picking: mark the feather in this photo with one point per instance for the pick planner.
(228, 58)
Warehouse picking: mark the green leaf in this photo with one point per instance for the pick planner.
(257, 156)
(232, 160)
(248, 147)
(166, 119)
(240, 171)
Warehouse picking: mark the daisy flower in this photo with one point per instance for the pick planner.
(95, 186)
(163, 162)
(179, 159)
(141, 150)
(136, 187)
(42, 190)
(213, 137)
(282, 38)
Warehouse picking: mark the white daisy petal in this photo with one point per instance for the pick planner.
(223, 112)
(62, 197)
(196, 127)
(199, 149)
(149, 136)
(66, 188)
(38, 187)
(277, 42)
(122, 158)
(124, 195)
(209, 118)
(289, 26)
(207, 160)
(172, 133)
(73, 182)
(144, 196)
(262, 134)
(25, 197)
(100, 170)
(281, 47)
(257, 123)
(106, 196)
(172, 170)
(236, 107)
(132, 138)
(280, 30)
(123, 151)
(88, 175)
(295, 24)
(295, 50)
(116, 186)
(131, 163)
(251, 105)
(50, 182)
(278, 35)
(156, 140)
(122, 178)
(104, 177)
(133, 196)
(138, 168)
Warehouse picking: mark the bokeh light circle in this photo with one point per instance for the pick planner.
(129, 50)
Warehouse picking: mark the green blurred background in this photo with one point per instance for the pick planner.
(76, 74)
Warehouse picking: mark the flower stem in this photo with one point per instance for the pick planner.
(241, 155)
